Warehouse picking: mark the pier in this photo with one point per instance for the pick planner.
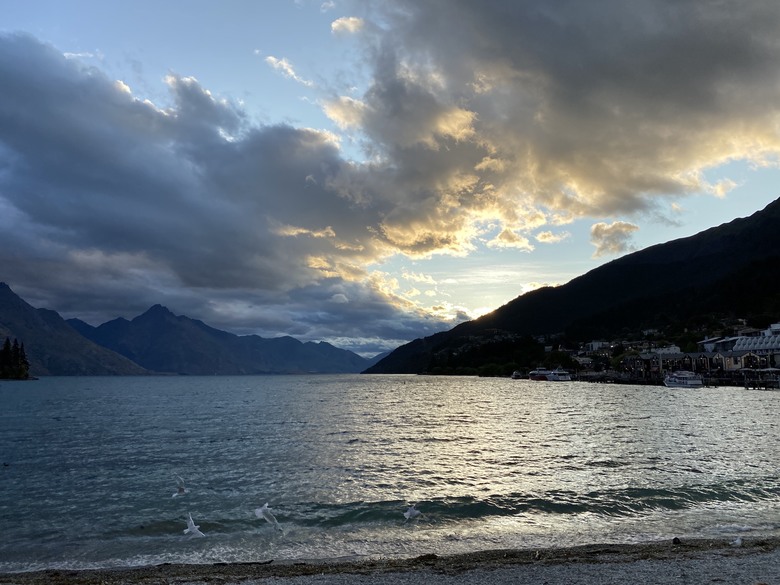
(766, 384)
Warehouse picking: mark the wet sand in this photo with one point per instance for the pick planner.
(755, 562)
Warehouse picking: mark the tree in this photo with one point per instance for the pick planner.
(5, 354)
(13, 361)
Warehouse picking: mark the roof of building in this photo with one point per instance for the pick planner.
(764, 342)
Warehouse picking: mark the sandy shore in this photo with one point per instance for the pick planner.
(756, 561)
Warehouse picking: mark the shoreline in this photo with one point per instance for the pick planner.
(756, 561)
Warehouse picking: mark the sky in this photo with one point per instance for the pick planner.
(367, 172)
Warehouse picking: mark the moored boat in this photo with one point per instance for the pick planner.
(683, 379)
(545, 375)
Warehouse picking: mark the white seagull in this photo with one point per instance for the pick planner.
(265, 514)
(180, 490)
(192, 529)
(411, 513)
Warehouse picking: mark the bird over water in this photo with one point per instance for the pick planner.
(180, 489)
(265, 513)
(411, 513)
(192, 529)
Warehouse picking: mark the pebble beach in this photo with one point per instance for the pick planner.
(754, 562)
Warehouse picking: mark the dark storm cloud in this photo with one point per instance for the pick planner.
(112, 204)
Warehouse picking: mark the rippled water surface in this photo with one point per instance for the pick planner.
(90, 465)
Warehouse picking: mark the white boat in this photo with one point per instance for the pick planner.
(683, 379)
(545, 375)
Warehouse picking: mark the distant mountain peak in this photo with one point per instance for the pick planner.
(53, 346)
(6, 290)
(157, 312)
(161, 341)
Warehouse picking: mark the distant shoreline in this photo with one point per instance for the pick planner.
(757, 560)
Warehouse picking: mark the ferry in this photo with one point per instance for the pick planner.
(545, 375)
(683, 379)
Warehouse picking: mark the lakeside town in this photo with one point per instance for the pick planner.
(750, 358)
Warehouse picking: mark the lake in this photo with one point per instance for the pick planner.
(90, 464)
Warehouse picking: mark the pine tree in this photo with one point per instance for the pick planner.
(5, 359)
(24, 364)
(13, 361)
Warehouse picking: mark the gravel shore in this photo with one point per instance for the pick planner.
(755, 562)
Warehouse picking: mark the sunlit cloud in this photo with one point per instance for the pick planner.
(346, 112)
(347, 25)
(450, 311)
(418, 277)
(285, 68)
(531, 286)
(722, 188)
(510, 239)
(548, 237)
(455, 123)
(293, 231)
(525, 136)
(613, 238)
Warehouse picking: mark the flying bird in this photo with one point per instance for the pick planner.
(411, 513)
(180, 489)
(265, 514)
(192, 529)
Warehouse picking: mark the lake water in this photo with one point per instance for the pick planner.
(90, 465)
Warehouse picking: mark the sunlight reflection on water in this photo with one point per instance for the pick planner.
(91, 465)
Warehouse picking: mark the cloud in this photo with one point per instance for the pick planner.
(613, 238)
(83, 55)
(722, 188)
(326, 232)
(418, 277)
(585, 110)
(113, 203)
(548, 237)
(122, 86)
(286, 69)
(345, 111)
(473, 119)
(510, 239)
(347, 25)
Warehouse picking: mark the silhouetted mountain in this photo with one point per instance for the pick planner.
(163, 342)
(52, 346)
(733, 269)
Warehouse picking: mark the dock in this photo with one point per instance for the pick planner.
(766, 384)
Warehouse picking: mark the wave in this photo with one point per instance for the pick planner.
(623, 502)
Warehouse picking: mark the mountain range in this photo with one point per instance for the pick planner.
(732, 270)
(52, 346)
(729, 270)
(163, 342)
(158, 342)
